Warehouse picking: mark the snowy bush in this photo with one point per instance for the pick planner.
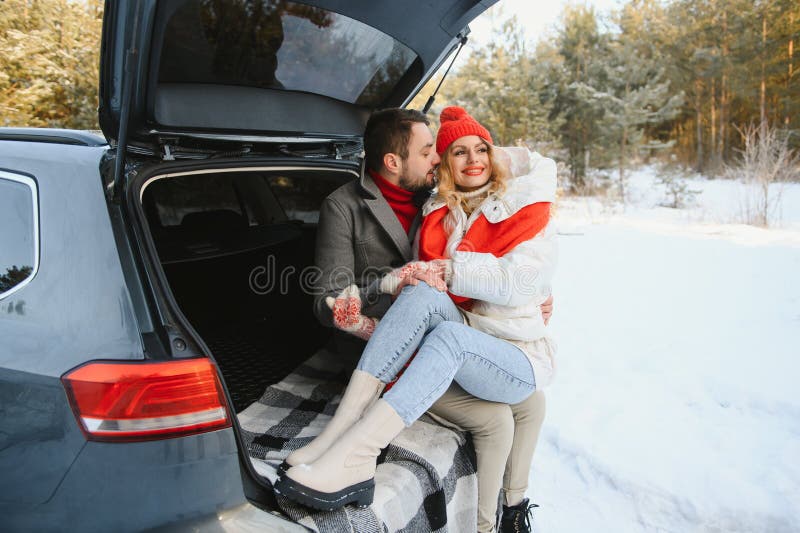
(766, 163)
(676, 189)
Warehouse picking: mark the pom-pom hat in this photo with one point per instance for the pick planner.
(455, 122)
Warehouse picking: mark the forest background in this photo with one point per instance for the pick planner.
(691, 83)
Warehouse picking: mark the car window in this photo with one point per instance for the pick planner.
(281, 45)
(188, 199)
(19, 232)
(301, 195)
(236, 200)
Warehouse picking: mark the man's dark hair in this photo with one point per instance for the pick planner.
(388, 132)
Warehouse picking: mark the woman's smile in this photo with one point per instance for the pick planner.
(474, 171)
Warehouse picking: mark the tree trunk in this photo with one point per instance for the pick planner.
(698, 125)
(723, 108)
(763, 95)
(713, 143)
(622, 145)
(787, 118)
(586, 158)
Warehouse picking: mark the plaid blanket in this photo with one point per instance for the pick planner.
(425, 479)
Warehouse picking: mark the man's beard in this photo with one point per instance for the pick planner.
(415, 186)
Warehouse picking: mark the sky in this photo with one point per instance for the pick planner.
(536, 17)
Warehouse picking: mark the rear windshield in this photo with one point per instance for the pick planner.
(280, 45)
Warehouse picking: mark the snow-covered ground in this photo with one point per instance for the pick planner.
(675, 407)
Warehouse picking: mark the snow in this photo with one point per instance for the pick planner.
(674, 406)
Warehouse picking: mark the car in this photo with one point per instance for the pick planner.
(134, 324)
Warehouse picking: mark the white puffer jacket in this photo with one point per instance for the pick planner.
(508, 290)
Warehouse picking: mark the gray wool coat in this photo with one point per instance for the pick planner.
(359, 239)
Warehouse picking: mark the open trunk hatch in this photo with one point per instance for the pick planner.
(228, 68)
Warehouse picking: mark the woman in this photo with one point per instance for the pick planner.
(485, 234)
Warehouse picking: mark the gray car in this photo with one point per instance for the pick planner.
(133, 321)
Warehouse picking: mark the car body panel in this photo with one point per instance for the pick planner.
(181, 483)
(77, 306)
(40, 437)
(52, 135)
(245, 517)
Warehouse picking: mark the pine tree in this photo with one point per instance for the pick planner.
(636, 94)
(580, 43)
(501, 86)
(49, 60)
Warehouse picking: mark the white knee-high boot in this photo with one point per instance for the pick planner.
(361, 392)
(345, 472)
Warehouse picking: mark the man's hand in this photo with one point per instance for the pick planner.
(432, 273)
(347, 313)
(547, 309)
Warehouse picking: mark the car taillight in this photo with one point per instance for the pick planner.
(146, 400)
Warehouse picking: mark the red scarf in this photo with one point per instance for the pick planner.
(482, 236)
(400, 200)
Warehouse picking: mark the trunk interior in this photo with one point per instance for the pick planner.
(236, 247)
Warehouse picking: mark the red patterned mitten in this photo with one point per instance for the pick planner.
(347, 313)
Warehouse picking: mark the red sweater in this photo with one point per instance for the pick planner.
(400, 200)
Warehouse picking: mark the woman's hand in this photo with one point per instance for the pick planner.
(347, 313)
(547, 309)
(443, 268)
(431, 272)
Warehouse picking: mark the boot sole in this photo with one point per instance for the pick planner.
(360, 494)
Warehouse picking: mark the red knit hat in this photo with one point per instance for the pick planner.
(456, 122)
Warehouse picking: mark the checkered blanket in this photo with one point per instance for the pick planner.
(425, 479)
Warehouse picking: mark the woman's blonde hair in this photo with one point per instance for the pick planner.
(448, 190)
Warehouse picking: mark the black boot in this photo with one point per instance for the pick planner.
(517, 519)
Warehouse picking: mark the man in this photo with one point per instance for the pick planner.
(365, 232)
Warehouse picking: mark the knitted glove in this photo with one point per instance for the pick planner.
(431, 272)
(347, 313)
(443, 268)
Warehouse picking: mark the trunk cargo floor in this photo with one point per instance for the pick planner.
(252, 356)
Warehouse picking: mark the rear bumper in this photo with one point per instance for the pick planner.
(188, 483)
(240, 519)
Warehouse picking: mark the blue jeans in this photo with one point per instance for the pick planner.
(426, 319)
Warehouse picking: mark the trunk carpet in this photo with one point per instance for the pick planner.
(253, 356)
